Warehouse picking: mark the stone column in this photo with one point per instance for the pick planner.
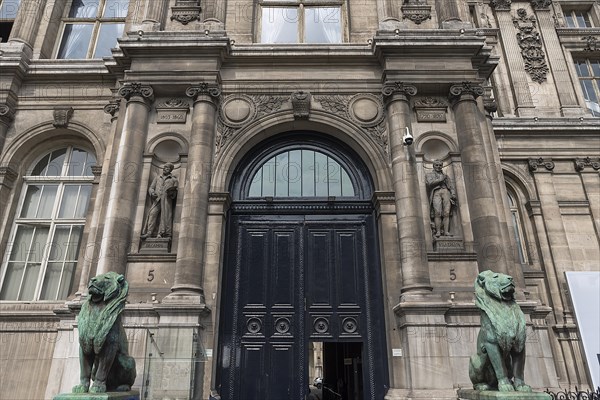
(480, 195)
(125, 188)
(516, 67)
(214, 10)
(588, 169)
(189, 269)
(413, 253)
(7, 115)
(447, 11)
(556, 59)
(103, 183)
(155, 14)
(28, 21)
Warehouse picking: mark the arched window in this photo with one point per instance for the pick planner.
(301, 173)
(41, 258)
(517, 227)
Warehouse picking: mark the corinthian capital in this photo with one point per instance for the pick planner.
(203, 89)
(390, 89)
(135, 89)
(466, 89)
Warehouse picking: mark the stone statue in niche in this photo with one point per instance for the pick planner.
(162, 191)
(442, 199)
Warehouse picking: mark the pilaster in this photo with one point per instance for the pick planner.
(589, 170)
(7, 116)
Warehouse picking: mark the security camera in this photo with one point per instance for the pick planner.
(407, 139)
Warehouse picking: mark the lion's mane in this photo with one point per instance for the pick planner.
(505, 315)
(93, 329)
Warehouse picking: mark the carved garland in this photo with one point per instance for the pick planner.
(531, 46)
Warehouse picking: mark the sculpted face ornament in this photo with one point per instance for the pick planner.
(500, 360)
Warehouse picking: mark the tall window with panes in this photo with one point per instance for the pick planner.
(91, 28)
(8, 13)
(578, 18)
(300, 21)
(588, 71)
(41, 258)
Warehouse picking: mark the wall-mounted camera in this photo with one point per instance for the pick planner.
(407, 139)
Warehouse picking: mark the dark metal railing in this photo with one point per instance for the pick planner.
(576, 394)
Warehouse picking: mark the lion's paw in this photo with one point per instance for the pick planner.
(98, 387)
(504, 385)
(482, 386)
(82, 388)
(522, 387)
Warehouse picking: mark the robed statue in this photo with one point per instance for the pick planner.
(162, 191)
(442, 199)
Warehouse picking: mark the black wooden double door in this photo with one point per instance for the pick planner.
(289, 280)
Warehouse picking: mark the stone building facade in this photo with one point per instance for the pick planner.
(301, 215)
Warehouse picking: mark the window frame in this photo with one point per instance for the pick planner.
(301, 5)
(52, 223)
(572, 12)
(592, 77)
(97, 23)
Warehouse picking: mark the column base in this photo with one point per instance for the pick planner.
(185, 295)
(472, 394)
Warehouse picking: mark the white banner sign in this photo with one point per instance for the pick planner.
(585, 293)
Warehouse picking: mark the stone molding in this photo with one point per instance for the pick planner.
(416, 13)
(186, 11)
(62, 116)
(541, 4)
(204, 89)
(112, 107)
(466, 88)
(430, 109)
(392, 88)
(591, 43)
(581, 163)
(172, 111)
(8, 174)
(536, 163)
(136, 89)
(7, 113)
(530, 43)
(500, 5)
(301, 104)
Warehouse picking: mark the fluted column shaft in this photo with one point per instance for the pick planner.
(214, 10)
(480, 195)
(28, 21)
(156, 13)
(411, 233)
(125, 188)
(447, 10)
(189, 268)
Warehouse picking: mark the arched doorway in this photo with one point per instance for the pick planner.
(301, 288)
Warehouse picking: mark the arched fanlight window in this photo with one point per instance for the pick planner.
(517, 227)
(46, 235)
(301, 173)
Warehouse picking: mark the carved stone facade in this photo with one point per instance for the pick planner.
(305, 163)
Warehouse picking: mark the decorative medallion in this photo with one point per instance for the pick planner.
(62, 116)
(535, 163)
(254, 325)
(366, 110)
(349, 325)
(301, 104)
(531, 46)
(321, 325)
(282, 325)
(581, 163)
(237, 110)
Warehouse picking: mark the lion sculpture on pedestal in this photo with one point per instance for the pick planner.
(500, 358)
(103, 351)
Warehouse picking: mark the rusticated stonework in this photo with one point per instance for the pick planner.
(531, 46)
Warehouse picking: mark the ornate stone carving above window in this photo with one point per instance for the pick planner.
(591, 43)
(531, 46)
(186, 11)
(62, 115)
(301, 104)
(581, 163)
(416, 11)
(541, 4)
(500, 4)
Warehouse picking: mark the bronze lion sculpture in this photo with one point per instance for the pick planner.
(103, 351)
(500, 358)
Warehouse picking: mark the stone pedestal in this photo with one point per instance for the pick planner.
(131, 395)
(156, 246)
(448, 244)
(471, 394)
